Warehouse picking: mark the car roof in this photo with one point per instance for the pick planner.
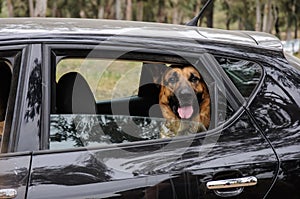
(31, 28)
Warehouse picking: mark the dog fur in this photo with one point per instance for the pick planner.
(184, 99)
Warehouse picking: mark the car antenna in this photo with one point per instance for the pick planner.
(194, 21)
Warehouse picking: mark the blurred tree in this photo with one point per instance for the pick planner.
(140, 10)
(209, 15)
(268, 17)
(10, 8)
(289, 10)
(118, 6)
(128, 10)
(258, 15)
(40, 8)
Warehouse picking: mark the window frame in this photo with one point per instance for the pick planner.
(55, 52)
(16, 56)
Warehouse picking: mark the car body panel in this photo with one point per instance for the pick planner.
(179, 168)
(276, 109)
(15, 172)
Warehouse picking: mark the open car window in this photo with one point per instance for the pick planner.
(107, 78)
(101, 101)
(6, 76)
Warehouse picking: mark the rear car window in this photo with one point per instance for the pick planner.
(100, 101)
(107, 78)
(245, 75)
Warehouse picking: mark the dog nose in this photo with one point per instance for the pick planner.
(185, 94)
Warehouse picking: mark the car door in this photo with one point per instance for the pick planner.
(231, 159)
(14, 166)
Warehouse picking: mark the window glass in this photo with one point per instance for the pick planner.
(104, 76)
(5, 76)
(245, 75)
(102, 101)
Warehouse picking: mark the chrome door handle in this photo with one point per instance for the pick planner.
(232, 183)
(8, 193)
(235, 186)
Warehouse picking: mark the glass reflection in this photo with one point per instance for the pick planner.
(69, 131)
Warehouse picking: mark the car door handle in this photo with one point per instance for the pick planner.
(8, 193)
(220, 186)
(232, 183)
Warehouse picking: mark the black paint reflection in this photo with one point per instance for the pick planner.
(85, 130)
(276, 108)
(14, 177)
(277, 111)
(90, 170)
(34, 94)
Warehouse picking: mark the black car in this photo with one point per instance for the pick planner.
(81, 115)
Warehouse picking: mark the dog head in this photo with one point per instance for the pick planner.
(183, 94)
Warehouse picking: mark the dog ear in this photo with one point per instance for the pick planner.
(156, 71)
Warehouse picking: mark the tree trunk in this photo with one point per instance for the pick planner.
(277, 31)
(31, 8)
(54, 9)
(228, 20)
(175, 14)
(140, 7)
(296, 28)
(161, 16)
(109, 10)
(118, 6)
(129, 10)
(268, 18)
(40, 8)
(210, 15)
(10, 8)
(294, 8)
(101, 10)
(258, 16)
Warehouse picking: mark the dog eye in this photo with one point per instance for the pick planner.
(172, 80)
(194, 79)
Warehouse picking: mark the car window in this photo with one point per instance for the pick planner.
(107, 78)
(101, 101)
(245, 75)
(5, 76)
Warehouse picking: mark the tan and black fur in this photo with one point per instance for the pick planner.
(183, 86)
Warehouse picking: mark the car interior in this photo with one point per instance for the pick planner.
(5, 76)
(74, 97)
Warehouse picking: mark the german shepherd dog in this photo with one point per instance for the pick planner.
(184, 98)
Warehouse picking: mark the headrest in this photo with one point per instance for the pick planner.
(74, 96)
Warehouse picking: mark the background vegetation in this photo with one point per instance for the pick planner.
(280, 17)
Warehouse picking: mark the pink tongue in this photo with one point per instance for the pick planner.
(185, 112)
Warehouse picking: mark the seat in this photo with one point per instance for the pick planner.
(149, 89)
(74, 96)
